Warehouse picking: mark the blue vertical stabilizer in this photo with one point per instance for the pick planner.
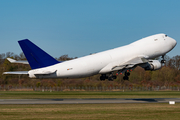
(36, 57)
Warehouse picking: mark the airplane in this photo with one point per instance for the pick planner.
(109, 64)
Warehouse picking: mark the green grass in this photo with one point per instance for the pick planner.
(78, 94)
(142, 111)
(154, 111)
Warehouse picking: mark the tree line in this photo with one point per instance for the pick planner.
(168, 75)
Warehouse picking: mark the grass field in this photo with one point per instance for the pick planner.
(142, 111)
(76, 94)
(154, 111)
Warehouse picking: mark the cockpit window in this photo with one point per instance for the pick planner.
(165, 35)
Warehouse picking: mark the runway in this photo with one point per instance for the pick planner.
(88, 101)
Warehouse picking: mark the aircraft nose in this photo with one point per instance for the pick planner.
(173, 42)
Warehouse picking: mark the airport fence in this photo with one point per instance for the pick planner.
(89, 88)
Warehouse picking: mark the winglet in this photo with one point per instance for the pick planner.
(36, 57)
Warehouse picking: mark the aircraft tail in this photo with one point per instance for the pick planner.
(36, 57)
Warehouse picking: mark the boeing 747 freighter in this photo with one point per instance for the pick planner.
(108, 63)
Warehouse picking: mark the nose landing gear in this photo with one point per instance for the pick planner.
(163, 60)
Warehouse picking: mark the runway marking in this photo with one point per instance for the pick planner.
(88, 101)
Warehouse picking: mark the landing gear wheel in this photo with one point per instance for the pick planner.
(126, 78)
(102, 78)
(114, 77)
(110, 79)
(163, 61)
(127, 74)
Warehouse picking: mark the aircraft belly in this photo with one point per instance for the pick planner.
(75, 73)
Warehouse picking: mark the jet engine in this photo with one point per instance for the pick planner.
(153, 65)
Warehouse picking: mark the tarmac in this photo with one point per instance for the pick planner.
(88, 101)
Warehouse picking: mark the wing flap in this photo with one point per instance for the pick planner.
(131, 63)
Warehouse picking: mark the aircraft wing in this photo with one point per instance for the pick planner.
(131, 63)
(17, 73)
(15, 61)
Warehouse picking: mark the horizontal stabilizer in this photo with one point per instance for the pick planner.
(15, 61)
(17, 73)
(36, 57)
(45, 72)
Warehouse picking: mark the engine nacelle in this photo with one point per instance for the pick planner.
(153, 65)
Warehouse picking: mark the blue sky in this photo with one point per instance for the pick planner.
(81, 27)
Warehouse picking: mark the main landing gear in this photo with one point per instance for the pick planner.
(111, 77)
(126, 76)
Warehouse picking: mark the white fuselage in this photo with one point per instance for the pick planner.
(103, 62)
